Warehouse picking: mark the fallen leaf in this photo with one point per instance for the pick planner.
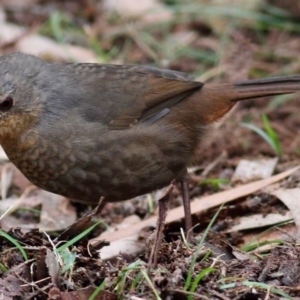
(286, 233)
(247, 170)
(53, 268)
(10, 287)
(57, 212)
(260, 220)
(10, 33)
(129, 245)
(45, 47)
(291, 198)
(3, 155)
(6, 178)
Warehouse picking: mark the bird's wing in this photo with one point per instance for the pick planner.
(127, 95)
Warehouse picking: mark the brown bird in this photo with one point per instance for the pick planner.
(87, 131)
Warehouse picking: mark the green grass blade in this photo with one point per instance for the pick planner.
(195, 255)
(151, 284)
(252, 247)
(258, 285)
(272, 134)
(97, 291)
(77, 238)
(16, 243)
(199, 277)
(262, 134)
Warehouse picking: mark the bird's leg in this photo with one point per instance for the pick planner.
(184, 182)
(162, 214)
(99, 207)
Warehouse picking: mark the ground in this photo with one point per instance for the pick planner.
(246, 249)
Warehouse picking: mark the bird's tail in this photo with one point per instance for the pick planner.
(218, 99)
(265, 87)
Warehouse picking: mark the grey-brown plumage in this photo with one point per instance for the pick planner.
(89, 130)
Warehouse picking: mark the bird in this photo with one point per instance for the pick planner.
(88, 130)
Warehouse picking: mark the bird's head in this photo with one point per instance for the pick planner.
(19, 98)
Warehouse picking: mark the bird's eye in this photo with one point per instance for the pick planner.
(7, 103)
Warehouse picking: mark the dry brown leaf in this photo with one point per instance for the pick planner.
(43, 46)
(24, 200)
(12, 176)
(3, 155)
(129, 245)
(247, 170)
(10, 33)
(53, 267)
(57, 212)
(291, 198)
(9, 222)
(286, 233)
(260, 220)
(6, 178)
(10, 287)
